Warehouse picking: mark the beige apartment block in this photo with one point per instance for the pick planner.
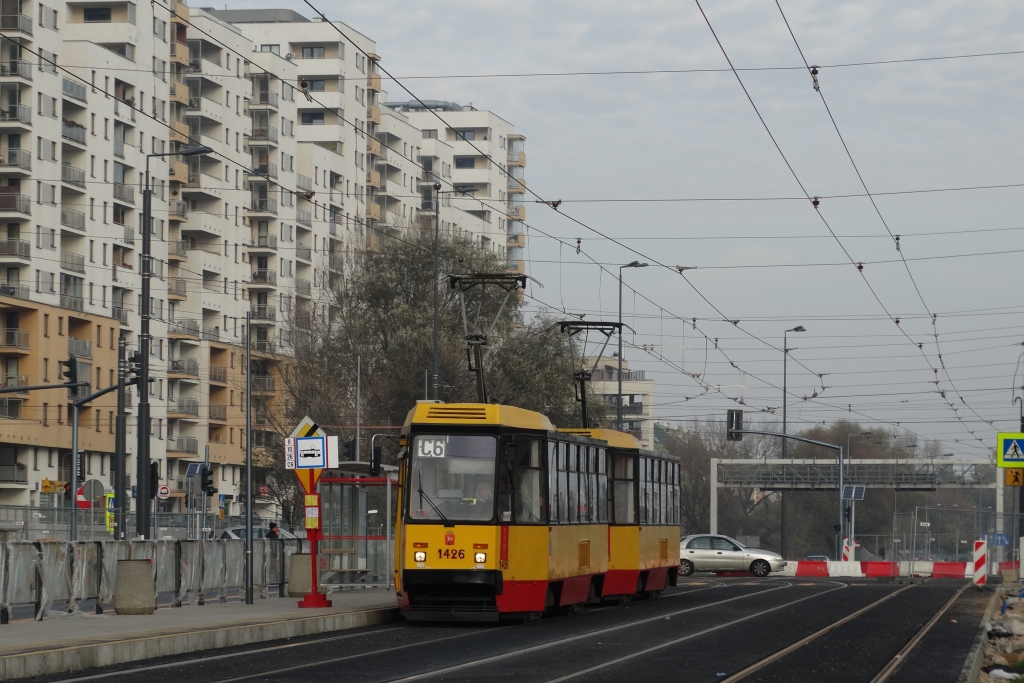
(637, 397)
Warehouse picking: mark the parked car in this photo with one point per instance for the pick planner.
(714, 553)
(817, 558)
(238, 532)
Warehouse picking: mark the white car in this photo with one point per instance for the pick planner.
(714, 553)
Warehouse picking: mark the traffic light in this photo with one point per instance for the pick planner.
(70, 371)
(733, 424)
(154, 478)
(134, 362)
(206, 480)
(375, 457)
(350, 449)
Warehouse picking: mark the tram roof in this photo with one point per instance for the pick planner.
(429, 412)
(613, 438)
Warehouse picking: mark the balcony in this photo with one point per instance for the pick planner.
(263, 384)
(332, 228)
(303, 288)
(124, 193)
(265, 439)
(185, 327)
(72, 302)
(129, 235)
(183, 366)
(177, 209)
(303, 183)
(79, 347)
(633, 409)
(263, 135)
(303, 252)
(16, 22)
(373, 115)
(373, 146)
(304, 217)
(265, 242)
(176, 249)
(16, 202)
(336, 262)
(263, 205)
(72, 262)
(73, 132)
(16, 248)
(219, 412)
(177, 287)
(73, 89)
(14, 290)
(211, 333)
(13, 474)
(183, 406)
(373, 82)
(68, 217)
(16, 113)
(261, 313)
(373, 179)
(183, 444)
(13, 338)
(267, 98)
(219, 373)
(72, 176)
(268, 170)
(120, 314)
(373, 211)
(14, 381)
(263, 276)
(17, 158)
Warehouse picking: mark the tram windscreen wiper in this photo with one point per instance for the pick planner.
(424, 496)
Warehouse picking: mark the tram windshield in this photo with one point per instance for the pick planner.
(452, 478)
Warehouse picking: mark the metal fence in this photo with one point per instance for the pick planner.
(191, 572)
(37, 523)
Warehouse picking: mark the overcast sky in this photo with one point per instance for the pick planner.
(909, 126)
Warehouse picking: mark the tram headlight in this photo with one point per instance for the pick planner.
(420, 556)
(480, 558)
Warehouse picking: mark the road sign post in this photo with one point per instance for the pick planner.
(308, 452)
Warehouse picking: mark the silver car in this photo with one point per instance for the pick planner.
(713, 553)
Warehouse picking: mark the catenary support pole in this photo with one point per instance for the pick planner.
(73, 527)
(142, 452)
(436, 380)
(359, 413)
(120, 446)
(248, 458)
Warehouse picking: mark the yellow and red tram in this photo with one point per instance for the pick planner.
(502, 514)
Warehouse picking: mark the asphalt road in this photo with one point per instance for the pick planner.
(707, 629)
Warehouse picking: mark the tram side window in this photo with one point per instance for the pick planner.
(530, 504)
(675, 493)
(554, 494)
(602, 487)
(574, 484)
(585, 491)
(663, 492)
(563, 483)
(644, 491)
(623, 493)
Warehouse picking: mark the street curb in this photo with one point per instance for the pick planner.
(87, 656)
(972, 667)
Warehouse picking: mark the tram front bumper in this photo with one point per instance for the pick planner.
(452, 594)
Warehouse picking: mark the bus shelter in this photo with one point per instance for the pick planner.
(357, 518)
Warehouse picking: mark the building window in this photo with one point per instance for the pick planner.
(431, 134)
(313, 52)
(465, 162)
(97, 14)
(316, 86)
(312, 118)
(276, 49)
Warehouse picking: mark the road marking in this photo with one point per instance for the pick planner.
(563, 641)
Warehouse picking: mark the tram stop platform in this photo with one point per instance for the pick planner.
(82, 641)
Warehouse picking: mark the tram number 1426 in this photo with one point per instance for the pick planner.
(451, 554)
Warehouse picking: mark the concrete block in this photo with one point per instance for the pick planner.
(135, 590)
(299, 579)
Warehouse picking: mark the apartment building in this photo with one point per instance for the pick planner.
(487, 171)
(306, 172)
(637, 396)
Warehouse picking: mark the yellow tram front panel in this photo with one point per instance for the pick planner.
(434, 546)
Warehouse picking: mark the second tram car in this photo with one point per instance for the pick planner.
(501, 514)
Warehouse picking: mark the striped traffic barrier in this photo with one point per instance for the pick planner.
(980, 563)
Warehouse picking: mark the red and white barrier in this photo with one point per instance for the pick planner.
(980, 563)
(935, 570)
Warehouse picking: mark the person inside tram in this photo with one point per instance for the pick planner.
(484, 492)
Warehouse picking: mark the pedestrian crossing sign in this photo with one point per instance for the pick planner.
(1010, 449)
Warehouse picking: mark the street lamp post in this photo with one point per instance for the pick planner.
(618, 406)
(784, 541)
(436, 378)
(145, 340)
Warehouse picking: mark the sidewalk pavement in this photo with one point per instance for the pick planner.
(83, 641)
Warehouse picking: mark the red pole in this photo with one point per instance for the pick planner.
(313, 533)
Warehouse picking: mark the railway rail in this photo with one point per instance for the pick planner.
(729, 630)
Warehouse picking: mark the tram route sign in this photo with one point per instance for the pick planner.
(1010, 449)
(308, 451)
